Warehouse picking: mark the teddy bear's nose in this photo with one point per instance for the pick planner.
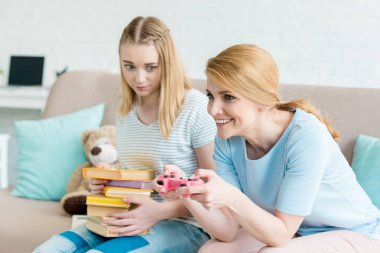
(96, 150)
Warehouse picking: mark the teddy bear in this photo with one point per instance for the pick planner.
(100, 149)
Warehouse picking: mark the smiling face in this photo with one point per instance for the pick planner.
(141, 69)
(234, 114)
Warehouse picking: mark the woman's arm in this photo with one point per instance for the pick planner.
(271, 229)
(219, 223)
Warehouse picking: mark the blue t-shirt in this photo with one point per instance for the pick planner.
(305, 174)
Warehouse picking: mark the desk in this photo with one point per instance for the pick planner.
(23, 97)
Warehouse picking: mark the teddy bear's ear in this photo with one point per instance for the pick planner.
(86, 135)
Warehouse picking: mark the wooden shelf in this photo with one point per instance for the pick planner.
(23, 97)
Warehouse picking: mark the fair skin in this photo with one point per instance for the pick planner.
(211, 221)
(261, 127)
(142, 71)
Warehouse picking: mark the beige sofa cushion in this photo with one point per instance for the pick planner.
(26, 223)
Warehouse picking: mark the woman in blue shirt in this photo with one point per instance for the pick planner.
(281, 175)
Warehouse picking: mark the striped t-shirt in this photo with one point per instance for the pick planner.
(142, 146)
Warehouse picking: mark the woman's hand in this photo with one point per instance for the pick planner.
(214, 194)
(169, 170)
(97, 185)
(137, 220)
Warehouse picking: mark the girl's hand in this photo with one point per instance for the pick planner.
(138, 220)
(214, 194)
(169, 170)
(104, 165)
(97, 185)
(172, 169)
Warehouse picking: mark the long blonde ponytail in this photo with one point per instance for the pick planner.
(308, 107)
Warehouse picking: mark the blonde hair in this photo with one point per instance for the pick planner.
(173, 84)
(252, 72)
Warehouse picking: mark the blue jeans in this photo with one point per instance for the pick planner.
(165, 237)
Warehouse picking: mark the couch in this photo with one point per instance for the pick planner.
(26, 223)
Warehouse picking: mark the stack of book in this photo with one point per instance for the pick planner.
(122, 183)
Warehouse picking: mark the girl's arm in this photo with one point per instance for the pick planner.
(218, 223)
(147, 214)
(171, 208)
(176, 208)
(204, 156)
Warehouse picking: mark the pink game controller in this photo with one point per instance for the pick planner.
(170, 182)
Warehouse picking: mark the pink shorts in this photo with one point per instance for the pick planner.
(328, 242)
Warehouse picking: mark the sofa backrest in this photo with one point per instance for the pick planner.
(77, 90)
(352, 111)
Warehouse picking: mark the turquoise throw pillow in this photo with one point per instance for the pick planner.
(366, 164)
(49, 150)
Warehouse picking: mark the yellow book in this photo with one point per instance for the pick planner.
(101, 200)
(104, 211)
(121, 192)
(96, 225)
(118, 174)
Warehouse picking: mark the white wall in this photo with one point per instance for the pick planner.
(323, 42)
